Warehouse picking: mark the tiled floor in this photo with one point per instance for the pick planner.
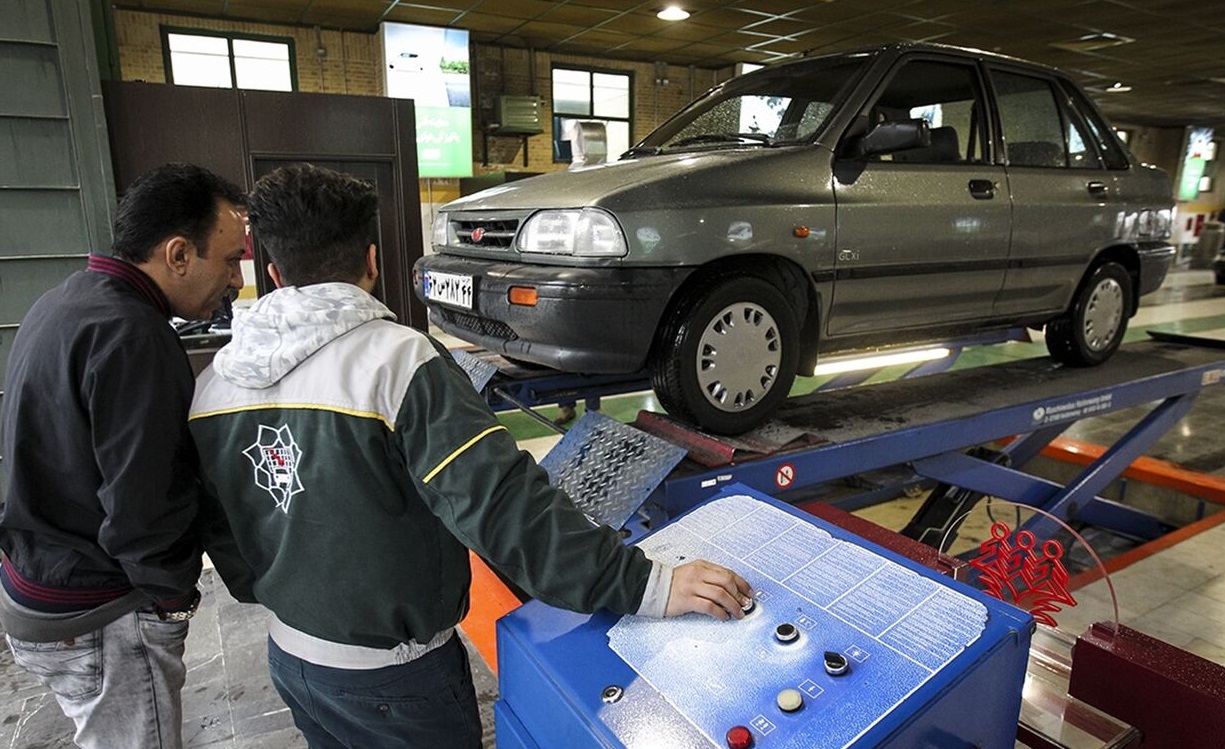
(1177, 594)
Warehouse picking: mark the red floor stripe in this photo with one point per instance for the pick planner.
(1147, 550)
(1147, 470)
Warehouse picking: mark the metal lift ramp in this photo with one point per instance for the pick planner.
(935, 425)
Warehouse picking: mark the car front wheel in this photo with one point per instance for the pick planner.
(726, 357)
(1093, 327)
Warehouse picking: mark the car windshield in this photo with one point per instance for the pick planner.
(768, 107)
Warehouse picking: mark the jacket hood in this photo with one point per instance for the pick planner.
(284, 328)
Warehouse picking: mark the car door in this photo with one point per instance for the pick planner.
(922, 236)
(1065, 201)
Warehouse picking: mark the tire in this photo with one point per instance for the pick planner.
(1093, 327)
(726, 357)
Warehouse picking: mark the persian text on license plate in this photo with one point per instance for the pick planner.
(448, 288)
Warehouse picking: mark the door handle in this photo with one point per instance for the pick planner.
(1097, 188)
(982, 189)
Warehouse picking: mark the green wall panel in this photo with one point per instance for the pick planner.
(42, 222)
(22, 282)
(45, 155)
(29, 21)
(37, 68)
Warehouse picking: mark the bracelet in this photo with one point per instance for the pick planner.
(185, 614)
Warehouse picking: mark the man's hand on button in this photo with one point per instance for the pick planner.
(707, 588)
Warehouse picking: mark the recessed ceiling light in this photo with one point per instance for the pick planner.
(1094, 42)
(1118, 88)
(672, 13)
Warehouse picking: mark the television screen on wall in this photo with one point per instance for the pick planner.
(430, 66)
(1200, 150)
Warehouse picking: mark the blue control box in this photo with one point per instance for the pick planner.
(848, 645)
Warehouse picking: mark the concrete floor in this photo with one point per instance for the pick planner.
(229, 701)
(1177, 595)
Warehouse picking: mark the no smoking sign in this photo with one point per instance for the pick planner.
(785, 476)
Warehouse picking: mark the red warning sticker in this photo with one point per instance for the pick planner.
(785, 476)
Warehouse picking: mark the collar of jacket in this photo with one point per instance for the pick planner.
(134, 277)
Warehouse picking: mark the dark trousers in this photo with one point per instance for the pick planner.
(428, 703)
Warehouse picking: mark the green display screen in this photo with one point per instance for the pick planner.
(430, 66)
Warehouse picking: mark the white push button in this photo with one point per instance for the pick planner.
(790, 700)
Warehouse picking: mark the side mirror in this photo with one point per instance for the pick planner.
(889, 137)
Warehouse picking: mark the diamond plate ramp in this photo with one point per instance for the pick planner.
(478, 370)
(609, 468)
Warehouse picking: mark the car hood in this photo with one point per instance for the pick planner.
(682, 179)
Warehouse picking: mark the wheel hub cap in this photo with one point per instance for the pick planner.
(738, 357)
(1103, 314)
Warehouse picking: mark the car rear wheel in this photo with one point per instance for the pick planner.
(726, 357)
(1093, 327)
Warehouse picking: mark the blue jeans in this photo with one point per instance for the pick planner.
(427, 703)
(121, 685)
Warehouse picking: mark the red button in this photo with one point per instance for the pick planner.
(739, 738)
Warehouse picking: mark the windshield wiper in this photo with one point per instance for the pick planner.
(723, 138)
(641, 151)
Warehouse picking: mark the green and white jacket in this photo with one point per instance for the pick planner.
(355, 462)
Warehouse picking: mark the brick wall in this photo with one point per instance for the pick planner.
(351, 63)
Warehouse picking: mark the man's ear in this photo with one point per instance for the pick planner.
(275, 275)
(176, 251)
(372, 262)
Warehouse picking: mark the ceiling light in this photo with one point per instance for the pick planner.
(1118, 88)
(672, 13)
(1094, 42)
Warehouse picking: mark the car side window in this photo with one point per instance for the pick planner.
(947, 95)
(1037, 131)
(1113, 153)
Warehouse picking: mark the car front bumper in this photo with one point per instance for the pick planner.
(1155, 261)
(596, 320)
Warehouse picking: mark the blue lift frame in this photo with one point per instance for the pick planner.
(928, 423)
(507, 386)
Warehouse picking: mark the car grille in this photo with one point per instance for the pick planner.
(482, 326)
(486, 233)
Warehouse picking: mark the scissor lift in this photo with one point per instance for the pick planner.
(928, 429)
(935, 427)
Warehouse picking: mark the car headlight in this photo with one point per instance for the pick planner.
(585, 232)
(441, 235)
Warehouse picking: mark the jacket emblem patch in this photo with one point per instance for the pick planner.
(275, 456)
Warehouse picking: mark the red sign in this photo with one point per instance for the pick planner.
(785, 476)
(1015, 569)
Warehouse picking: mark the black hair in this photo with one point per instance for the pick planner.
(173, 199)
(315, 224)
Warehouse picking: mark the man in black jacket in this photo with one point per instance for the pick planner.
(101, 560)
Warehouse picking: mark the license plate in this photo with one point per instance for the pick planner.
(448, 288)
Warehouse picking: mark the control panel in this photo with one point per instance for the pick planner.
(844, 645)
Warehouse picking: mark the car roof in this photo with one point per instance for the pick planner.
(894, 49)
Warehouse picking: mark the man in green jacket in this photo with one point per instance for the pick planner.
(356, 465)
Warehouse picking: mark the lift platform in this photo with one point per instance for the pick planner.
(931, 424)
(935, 428)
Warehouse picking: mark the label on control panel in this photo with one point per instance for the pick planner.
(896, 627)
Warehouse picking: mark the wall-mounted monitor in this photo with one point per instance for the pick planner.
(430, 65)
